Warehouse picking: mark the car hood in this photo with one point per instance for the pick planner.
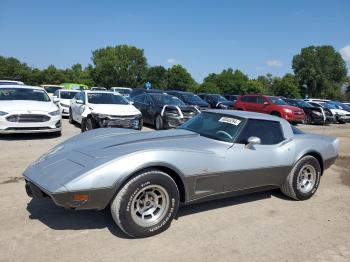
(65, 101)
(86, 152)
(125, 110)
(27, 105)
(339, 112)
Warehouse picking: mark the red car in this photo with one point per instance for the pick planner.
(270, 105)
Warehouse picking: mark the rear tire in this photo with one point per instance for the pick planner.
(307, 120)
(146, 204)
(304, 179)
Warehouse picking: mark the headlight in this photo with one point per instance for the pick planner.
(64, 105)
(99, 115)
(317, 113)
(55, 113)
(288, 111)
(2, 113)
(340, 113)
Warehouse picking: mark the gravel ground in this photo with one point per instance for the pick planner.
(257, 227)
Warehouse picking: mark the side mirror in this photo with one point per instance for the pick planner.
(253, 140)
(80, 102)
(131, 102)
(55, 99)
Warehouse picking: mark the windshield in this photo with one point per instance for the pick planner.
(215, 126)
(219, 98)
(163, 99)
(277, 101)
(52, 89)
(123, 91)
(329, 106)
(191, 98)
(67, 94)
(23, 94)
(340, 105)
(106, 98)
(302, 103)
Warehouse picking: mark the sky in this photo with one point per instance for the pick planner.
(256, 37)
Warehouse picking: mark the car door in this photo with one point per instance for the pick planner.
(150, 111)
(250, 103)
(139, 103)
(263, 165)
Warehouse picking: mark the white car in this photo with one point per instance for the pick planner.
(11, 82)
(27, 109)
(62, 98)
(340, 115)
(93, 109)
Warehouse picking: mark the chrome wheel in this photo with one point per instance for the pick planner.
(150, 205)
(306, 178)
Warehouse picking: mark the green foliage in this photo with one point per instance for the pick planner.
(157, 76)
(286, 86)
(320, 70)
(121, 65)
(228, 81)
(180, 79)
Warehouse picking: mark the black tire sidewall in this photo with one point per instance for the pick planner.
(161, 124)
(304, 161)
(125, 217)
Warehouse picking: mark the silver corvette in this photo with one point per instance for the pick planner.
(144, 176)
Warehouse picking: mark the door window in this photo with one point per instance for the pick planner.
(270, 132)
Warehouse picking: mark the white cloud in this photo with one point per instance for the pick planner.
(171, 60)
(274, 63)
(345, 53)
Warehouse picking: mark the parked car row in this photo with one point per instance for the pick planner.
(130, 108)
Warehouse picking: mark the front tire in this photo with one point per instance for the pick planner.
(304, 179)
(88, 124)
(71, 120)
(146, 204)
(159, 124)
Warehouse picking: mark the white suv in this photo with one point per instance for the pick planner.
(62, 98)
(27, 109)
(93, 109)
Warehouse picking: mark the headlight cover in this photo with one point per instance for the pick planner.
(64, 105)
(2, 113)
(288, 111)
(100, 115)
(55, 113)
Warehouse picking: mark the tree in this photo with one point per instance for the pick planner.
(228, 81)
(52, 75)
(286, 86)
(320, 70)
(12, 68)
(180, 79)
(121, 65)
(157, 76)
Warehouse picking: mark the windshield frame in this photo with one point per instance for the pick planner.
(240, 126)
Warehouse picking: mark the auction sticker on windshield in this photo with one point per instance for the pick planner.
(230, 120)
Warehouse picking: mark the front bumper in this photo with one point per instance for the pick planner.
(64, 111)
(134, 122)
(344, 118)
(95, 199)
(52, 125)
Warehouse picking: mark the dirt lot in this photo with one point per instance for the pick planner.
(257, 227)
